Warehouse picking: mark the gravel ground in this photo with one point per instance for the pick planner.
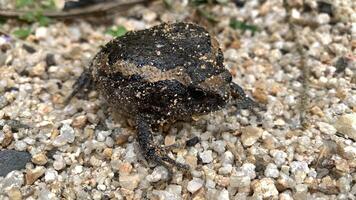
(303, 147)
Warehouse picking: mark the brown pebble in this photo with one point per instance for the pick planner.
(222, 180)
(122, 139)
(79, 121)
(14, 194)
(125, 168)
(169, 140)
(107, 153)
(192, 161)
(199, 195)
(260, 95)
(33, 174)
(39, 159)
(317, 111)
(7, 139)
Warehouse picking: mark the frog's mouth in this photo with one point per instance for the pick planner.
(206, 101)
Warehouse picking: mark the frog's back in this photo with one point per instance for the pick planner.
(167, 48)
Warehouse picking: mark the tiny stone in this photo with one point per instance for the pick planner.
(250, 135)
(299, 166)
(159, 173)
(38, 70)
(29, 48)
(101, 187)
(20, 145)
(41, 33)
(130, 155)
(326, 128)
(301, 188)
(13, 160)
(194, 185)
(239, 181)
(325, 7)
(265, 188)
(249, 170)
(66, 136)
(39, 159)
(79, 121)
(162, 194)
(33, 174)
(344, 184)
(210, 183)
(14, 194)
(107, 153)
(346, 124)
(50, 61)
(192, 161)
(169, 140)
(125, 168)
(45, 194)
(13, 179)
(206, 156)
(222, 181)
(59, 163)
(227, 158)
(349, 152)
(225, 170)
(129, 182)
(78, 169)
(223, 195)
(279, 157)
(121, 139)
(94, 161)
(101, 136)
(51, 175)
(271, 171)
(323, 18)
(219, 146)
(285, 196)
(149, 16)
(342, 165)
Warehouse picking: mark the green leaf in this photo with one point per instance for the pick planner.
(49, 5)
(168, 3)
(43, 20)
(23, 3)
(29, 17)
(117, 31)
(236, 24)
(36, 16)
(22, 33)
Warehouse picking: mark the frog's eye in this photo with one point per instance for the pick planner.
(196, 93)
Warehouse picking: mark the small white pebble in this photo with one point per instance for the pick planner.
(195, 184)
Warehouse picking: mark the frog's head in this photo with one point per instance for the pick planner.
(211, 94)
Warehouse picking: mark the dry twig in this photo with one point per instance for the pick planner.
(97, 9)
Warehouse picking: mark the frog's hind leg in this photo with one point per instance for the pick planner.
(150, 151)
(242, 101)
(82, 85)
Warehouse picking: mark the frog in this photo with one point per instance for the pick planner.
(161, 75)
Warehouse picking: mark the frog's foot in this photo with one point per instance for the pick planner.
(82, 85)
(152, 152)
(243, 101)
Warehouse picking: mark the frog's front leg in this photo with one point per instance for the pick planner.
(150, 151)
(243, 101)
(83, 84)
